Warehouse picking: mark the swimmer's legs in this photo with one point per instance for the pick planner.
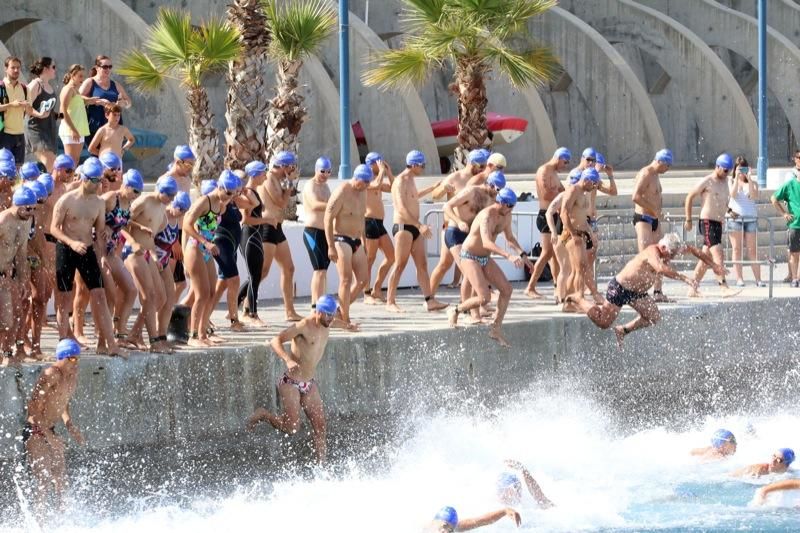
(289, 421)
(313, 408)
(648, 316)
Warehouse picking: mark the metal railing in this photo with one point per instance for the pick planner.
(619, 227)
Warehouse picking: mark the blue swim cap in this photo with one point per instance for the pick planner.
(283, 158)
(496, 179)
(111, 161)
(788, 455)
(29, 171)
(415, 157)
(207, 186)
(485, 152)
(664, 156)
(720, 437)
(591, 174)
(327, 304)
(228, 181)
(507, 197)
(508, 480)
(64, 161)
(48, 182)
(363, 173)
(478, 157)
(254, 168)
(38, 189)
(589, 153)
(601, 158)
(725, 161)
(182, 201)
(7, 155)
(133, 179)
(563, 153)
(575, 176)
(23, 196)
(92, 168)
(448, 515)
(67, 348)
(183, 152)
(323, 163)
(167, 185)
(8, 169)
(373, 157)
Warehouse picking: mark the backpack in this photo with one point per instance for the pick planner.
(536, 252)
(4, 99)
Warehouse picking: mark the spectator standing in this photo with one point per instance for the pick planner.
(13, 107)
(743, 224)
(74, 125)
(789, 193)
(42, 127)
(100, 86)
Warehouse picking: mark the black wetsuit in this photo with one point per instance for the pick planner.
(253, 251)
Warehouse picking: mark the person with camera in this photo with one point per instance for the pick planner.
(742, 224)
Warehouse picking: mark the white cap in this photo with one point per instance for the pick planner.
(497, 159)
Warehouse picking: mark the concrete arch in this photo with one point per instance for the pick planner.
(727, 28)
(4, 51)
(394, 122)
(626, 118)
(720, 117)
(784, 16)
(114, 28)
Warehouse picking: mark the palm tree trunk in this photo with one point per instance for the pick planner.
(203, 136)
(469, 87)
(247, 103)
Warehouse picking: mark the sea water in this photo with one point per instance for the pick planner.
(601, 476)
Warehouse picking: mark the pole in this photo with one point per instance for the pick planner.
(763, 155)
(344, 89)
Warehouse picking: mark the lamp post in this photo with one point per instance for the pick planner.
(344, 89)
(763, 155)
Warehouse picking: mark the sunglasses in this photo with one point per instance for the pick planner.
(72, 359)
(28, 208)
(40, 201)
(106, 67)
(325, 171)
(591, 160)
(69, 170)
(136, 191)
(499, 167)
(229, 193)
(93, 180)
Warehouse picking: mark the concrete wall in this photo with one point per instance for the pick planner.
(684, 361)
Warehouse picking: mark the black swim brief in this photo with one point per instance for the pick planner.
(413, 230)
(317, 248)
(50, 238)
(355, 244)
(178, 274)
(374, 228)
(272, 234)
(711, 231)
(68, 261)
(639, 217)
(454, 236)
(558, 223)
(29, 430)
(541, 221)
(620, 296)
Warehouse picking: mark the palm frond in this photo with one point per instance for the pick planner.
(399, 68)
(298, 28)
(531, 67)
(215, 44)
(419, 14)
(169, 41)
(516, 17)
(139, 70)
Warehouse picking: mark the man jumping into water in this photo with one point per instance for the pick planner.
(630, 286)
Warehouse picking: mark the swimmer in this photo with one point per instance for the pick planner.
(787, 484)
(509, 486)
(375, 235)
(647, 204)
(715, 194)
(297, 388)
(548, 186)
(447, 521)
(630, 286)
(779, 464)
(316, 194)
(576, 236)
(723, 445)
(494, 161)
(609, 189)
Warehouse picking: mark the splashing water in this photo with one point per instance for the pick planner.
(600, 476)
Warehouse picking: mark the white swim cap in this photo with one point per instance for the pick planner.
(672, 242)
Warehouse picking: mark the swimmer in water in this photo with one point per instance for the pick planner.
(509, 486)
(779, 464)
(786, 484)
(447, 521)
(723, 445)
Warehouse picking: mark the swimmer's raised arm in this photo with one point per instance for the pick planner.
(786, 484)
(489, 518)
(276, 343)
(533, 487)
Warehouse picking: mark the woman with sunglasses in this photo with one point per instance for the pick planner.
(42, 134)
(200, 225)
(104, 91)
(74, 121)
(742, 224)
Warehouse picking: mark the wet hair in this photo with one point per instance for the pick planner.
(672, 242)
(40, 65)
(113, 108)
(97, 61)
(71, 72)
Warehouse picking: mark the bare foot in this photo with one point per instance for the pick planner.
(475, 319)
(486, 312)
(660, 297)
(370, 299)
(394, 308)
(197, 343)
(215, 339)
(693, 293)
(496, 334)
(82, 340)
(253, 321)
(115, 351)
(532, 294)
(454, 285)
(620, 334)
(292, 316)
(161, 347)
(19, 352)
(728, 292)
(569, 307)
(452, 317)
(237, 326)
(435, 305)
(259, 415)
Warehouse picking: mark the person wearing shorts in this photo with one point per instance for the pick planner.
(316, 194)
(787, 201)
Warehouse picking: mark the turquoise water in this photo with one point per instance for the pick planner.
(600, 476)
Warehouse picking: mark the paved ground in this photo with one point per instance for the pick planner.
(376, 320)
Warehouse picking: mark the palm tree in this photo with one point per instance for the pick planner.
(247, 104)
(176, 50)
(474, 37)
(298, 28)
